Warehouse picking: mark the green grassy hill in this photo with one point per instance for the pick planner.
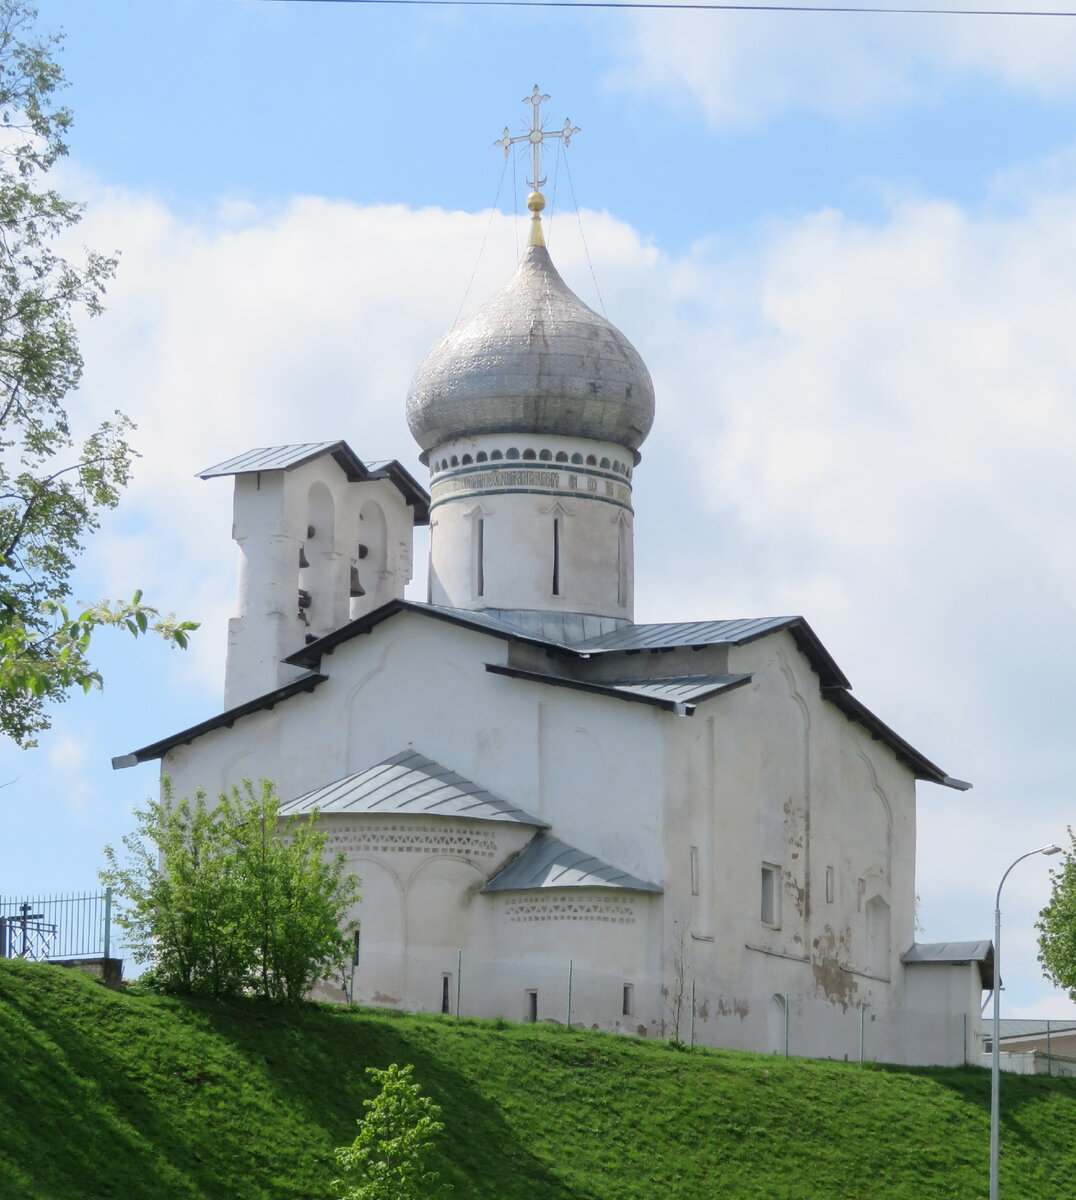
(135, 1096)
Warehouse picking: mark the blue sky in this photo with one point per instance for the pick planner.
(845, 246)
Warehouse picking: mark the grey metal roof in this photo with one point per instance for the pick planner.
(675, 694)
(408, 486)
(534, 359)
(954, 953)
(1017, 1027)
(564, 628)
(409, 784)
(286, 458)
(226, 719)
(547, 862)
(738, 632)
(655, 638)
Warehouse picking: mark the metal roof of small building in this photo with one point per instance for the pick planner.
(547, 862)
(1019, 1027)
(409, 784)
(287, 458)
(954, 953)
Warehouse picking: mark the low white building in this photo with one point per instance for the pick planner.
(558, 813)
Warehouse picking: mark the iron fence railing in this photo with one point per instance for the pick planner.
(54, 928)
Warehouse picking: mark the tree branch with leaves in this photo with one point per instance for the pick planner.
(52, 489)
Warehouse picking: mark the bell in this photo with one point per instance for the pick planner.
(303, 561)
(356, 588)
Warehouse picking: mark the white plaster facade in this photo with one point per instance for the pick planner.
(694, 809)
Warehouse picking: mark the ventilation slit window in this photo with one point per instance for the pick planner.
(479, 557)
(556, 557)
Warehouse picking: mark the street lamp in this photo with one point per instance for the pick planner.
(994, 1059)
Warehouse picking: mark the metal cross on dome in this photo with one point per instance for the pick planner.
(536, 135)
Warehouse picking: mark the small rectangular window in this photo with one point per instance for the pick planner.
(532, 1006)
(355, 952)
(629, 1000)
(829, 885)
(446, 989)
(479, 557)
(556, 556)
(694, 870)
(771, 895)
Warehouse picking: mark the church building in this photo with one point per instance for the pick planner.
(558, 813)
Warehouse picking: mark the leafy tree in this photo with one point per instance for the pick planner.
(1057, 925)
(389, 1158)
(228, 899)
(52, 490)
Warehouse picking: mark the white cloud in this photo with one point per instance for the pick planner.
(741, 68)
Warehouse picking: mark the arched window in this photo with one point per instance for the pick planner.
(577, 459)
(528, 455)
(591, 461)
(545, 456)
(454, 461)
(481, 456)
(562, 456)
(605, 463)
(496, 456)
(512, 452)
(466, 460)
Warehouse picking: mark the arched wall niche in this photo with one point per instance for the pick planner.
(370, 568)
(316, 576)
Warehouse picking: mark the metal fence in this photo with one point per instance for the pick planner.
(56, 928)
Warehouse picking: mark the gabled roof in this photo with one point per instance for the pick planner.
(677, 694)
(409, 784)
(954, 954)
(225, 720)
(287, 458)
(547, 862)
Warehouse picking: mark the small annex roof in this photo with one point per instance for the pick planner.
(408, 784)
(954, 954)
(679, 694)
(1025, 1027)
(224, 720)
(287, 458)
(547, 862)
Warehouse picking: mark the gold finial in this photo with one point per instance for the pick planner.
(535, 136)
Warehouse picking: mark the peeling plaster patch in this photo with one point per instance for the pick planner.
(381, 998)
(741, 1008)
(641, 1030)
(840, 986)
(704, 1011)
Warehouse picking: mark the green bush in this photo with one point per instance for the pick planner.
(228, 899)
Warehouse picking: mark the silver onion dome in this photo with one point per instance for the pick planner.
(534, 359)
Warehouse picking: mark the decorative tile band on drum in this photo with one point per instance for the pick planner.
(360, 837)
(490, 480)
(615, 912)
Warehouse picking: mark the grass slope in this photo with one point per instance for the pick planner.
(135, 1096)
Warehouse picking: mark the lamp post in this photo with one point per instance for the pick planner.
(995, 1068)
